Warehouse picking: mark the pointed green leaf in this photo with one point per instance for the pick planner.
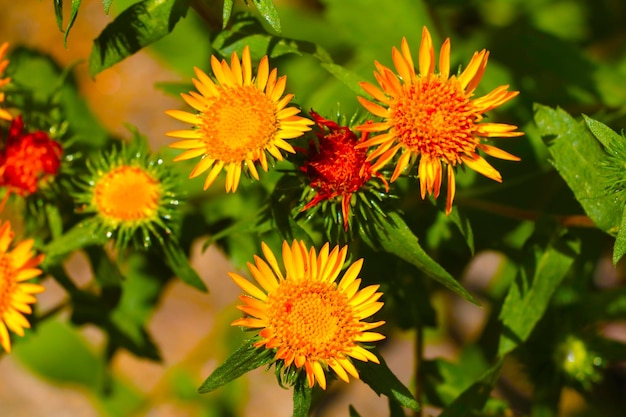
(349, 78)
(243, 360)
(602, 132)
(302, 397)
(136, 27)
(530, 293)
(384, 382)
(353, 412)
(73, 14)
(619, 249)
(269, 12)
(178, 261)
(58, 11)
(578, 157)
(228, 8)
(81, 235)
(473, 399)
(107, 5)
(394, 236)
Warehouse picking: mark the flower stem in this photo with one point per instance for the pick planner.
(419, 375)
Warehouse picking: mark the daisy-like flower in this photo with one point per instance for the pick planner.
(4, 81)
(239, 118)
(433, 117)
(28, 159)
(129, 190)
(335, 167)
(16, 295)
(311, 321)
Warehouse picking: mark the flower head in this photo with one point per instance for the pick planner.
(335, 167)
(4, 81)
(433, 117)
(27, 159)
(16, 295)
(310, 320)
(129, 190)
(238, 119)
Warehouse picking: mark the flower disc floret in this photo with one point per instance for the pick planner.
(17, 266)
(239, 119)
(127, 193)
(312, 322)
(433, 117)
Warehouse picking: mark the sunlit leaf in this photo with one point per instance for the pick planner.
(269, 12)
(136, 27)
(395, 237)
(107, 5)
(577, 156)
(545, 266)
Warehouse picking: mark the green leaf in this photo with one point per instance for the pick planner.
(107, 5)
(395, 237)
(177, 260)
(619, 249)
(74, 13)
(243, 360)
(58, 11)
(62, 345)
(228, 8)
(384, 382)
(352, 411)
(349, 78)
(602, 132)
(136, 27)
(81, 235)
(546, 264)
(269, 12)
(578, 157)
(474, 398)
(302, 397)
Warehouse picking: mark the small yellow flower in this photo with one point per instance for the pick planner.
(433, 117)
(239, 118)
(310, 320)
(4, 81)
(16, 295)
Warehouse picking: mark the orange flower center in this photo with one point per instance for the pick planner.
(127, 193)
(312, 319)
(7, 282)
(435, 118)
(238, 124)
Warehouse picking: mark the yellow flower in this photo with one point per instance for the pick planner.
(16, 295)
(434, 117)
(131, 193)
(305, 315)
(239, 118)
(4, 81)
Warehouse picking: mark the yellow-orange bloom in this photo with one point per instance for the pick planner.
(16, 295)
(311, 321)
(239, 118)
(433, 117)
(4, 81)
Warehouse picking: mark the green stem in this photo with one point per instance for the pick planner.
(419, 377)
